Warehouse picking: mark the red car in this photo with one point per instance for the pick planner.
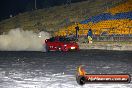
(60, 44)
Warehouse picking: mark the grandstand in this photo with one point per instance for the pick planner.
(124, 7)
(120, 23)
(115, 21)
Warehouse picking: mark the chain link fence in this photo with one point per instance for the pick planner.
(113, 38)
(105, 38)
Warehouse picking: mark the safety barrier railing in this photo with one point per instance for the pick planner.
(113, 38)
(126, 38)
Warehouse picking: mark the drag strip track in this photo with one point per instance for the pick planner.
(32, 69)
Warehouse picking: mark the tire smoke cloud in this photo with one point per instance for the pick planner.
(20, 40)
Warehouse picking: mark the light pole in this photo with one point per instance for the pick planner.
(68, 3)
(35, 4)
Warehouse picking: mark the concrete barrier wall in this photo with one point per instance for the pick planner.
(102, 46)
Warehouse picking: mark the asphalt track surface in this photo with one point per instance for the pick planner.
(30, 69)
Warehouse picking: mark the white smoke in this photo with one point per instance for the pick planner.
(19, 40)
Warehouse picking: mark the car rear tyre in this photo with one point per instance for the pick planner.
(47, 48)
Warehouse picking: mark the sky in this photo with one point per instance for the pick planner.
(14, 7)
